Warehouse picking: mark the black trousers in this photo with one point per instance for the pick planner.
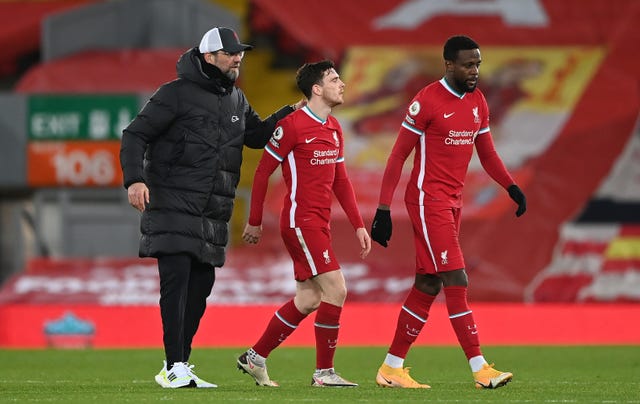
(185, 284)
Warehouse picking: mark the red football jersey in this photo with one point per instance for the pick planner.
(310, 152)
(441, 125)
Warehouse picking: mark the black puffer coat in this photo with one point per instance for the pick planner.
(192, 130)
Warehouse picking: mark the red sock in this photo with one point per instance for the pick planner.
(327, 326)
(411, 319)
(462, 320)
(282, 324)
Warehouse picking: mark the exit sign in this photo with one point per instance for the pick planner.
(79, 117)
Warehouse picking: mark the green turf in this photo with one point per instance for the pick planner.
(599, 374)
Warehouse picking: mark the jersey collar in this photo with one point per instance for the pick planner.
(446, 85)
(313, 116)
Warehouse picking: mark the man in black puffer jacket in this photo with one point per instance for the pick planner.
(181, 159)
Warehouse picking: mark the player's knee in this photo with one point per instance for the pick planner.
(455, 278)
(309, 306)
(307, 302)
(336, 295)
(428, 284)
(430, 289)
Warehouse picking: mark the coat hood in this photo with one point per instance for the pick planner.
(190, 67)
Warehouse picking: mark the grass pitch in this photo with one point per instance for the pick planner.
(583, 374)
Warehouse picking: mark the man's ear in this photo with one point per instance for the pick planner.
(448, 65)
(316, 89)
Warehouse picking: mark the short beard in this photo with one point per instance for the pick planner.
(232, 74)
(463, 85)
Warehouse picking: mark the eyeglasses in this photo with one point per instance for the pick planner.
(232, 54)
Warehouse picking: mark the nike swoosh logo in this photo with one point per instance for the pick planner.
(309, 140)
(385, 379)
(448, 115)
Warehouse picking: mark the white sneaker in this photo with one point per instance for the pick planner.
(329, 378)
(201, 384)
(179, 376)
(259, 373)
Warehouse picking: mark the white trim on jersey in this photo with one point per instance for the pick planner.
(450, 89)
(313, 116)
(425, 235)
(420, 181)
(273, 153)
(294, 188)
(412, 129)
(423, 168)
(307, 253)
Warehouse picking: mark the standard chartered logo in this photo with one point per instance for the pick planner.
(322, 157)
(460, 137)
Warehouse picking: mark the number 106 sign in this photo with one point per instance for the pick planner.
(75, 163)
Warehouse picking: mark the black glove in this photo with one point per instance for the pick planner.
(381, 227)
(516, 194)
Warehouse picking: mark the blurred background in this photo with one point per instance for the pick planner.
(561, 79)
